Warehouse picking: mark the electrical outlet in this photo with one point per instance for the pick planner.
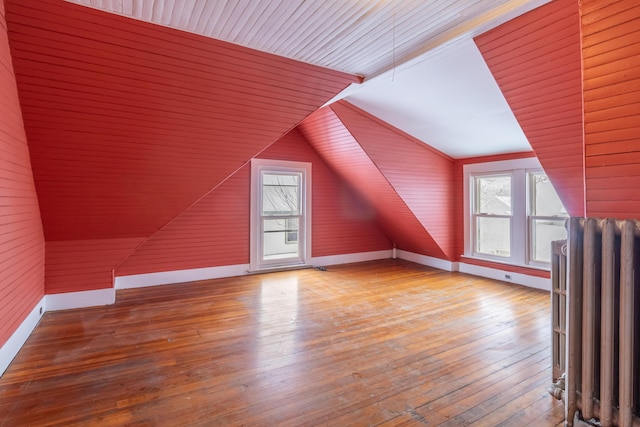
(507, 276)
(40, 310)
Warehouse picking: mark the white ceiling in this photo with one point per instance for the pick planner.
(450, 102)
(422, 71)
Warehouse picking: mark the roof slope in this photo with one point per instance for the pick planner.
(129, 123)
(409, 185)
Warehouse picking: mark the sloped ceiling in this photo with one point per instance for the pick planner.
(415, 74)
(450, 101)
(365, 37)
(129, 123)
(545, 95)
(410, 186)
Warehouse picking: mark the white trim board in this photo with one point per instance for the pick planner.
(429, 261)
(81, 299)
(51, 302)
(15, 342)
(180, 276)
(476, 270)
(208, 273)
(350, 258)
(506, 276)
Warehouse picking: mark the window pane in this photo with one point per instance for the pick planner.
(276, 240)
(493, 195)
(494, 236)
(542, 234)
(280, 194)
(291, 236)
(544, 200)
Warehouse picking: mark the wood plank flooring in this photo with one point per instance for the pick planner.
(386, 343)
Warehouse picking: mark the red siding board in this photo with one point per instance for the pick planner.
(84, 265)
(536, 61)
(22, 247)
(610, 49)
(415, 208)
(126, 105)
(130, 123)
(204, 235)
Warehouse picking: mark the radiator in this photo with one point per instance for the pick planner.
(558, 312)
(603, 322)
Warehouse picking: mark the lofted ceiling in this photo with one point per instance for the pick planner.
(422, 72)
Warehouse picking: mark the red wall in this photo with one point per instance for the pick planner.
(536, 61)
(611, 51)
(21, 237)
(215, 230)
(130, 123)
(410, 186)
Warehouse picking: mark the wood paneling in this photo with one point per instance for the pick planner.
(329, 131)
(215, 230)
(343, 222)
(536, 61)
(83, 265)
(422, 176)
(129, 123)
(373, 344)
(611, 48)
(21, 238)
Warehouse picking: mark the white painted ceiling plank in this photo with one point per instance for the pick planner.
(204, 18)
(196, 13)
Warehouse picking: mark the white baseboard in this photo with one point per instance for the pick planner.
(350, 258)
(180, 276)
(429, 261)
(506, 276)
(80, 299)
(15, 342)
(208, 273)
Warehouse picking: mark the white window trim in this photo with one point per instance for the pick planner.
(257, 166)
(519, 225)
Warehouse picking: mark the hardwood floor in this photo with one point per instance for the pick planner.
(386, 343)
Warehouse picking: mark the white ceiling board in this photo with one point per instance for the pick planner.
(364, 37)
(450, 102)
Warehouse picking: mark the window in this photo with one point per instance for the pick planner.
(492, 215)
(513, 213)
(280, 213)
(546, 218)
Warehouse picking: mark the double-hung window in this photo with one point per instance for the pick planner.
(513, 213)
(280, 214)
(492, 215)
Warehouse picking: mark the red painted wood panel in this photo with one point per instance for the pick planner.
(536, 61)
(342, 222)
(611, 48)
(83, 265)
(130, 123)
(22, 245)
(329, 131)
(421, 175)
(215, 230)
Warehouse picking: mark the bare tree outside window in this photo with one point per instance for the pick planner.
(281, 209)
